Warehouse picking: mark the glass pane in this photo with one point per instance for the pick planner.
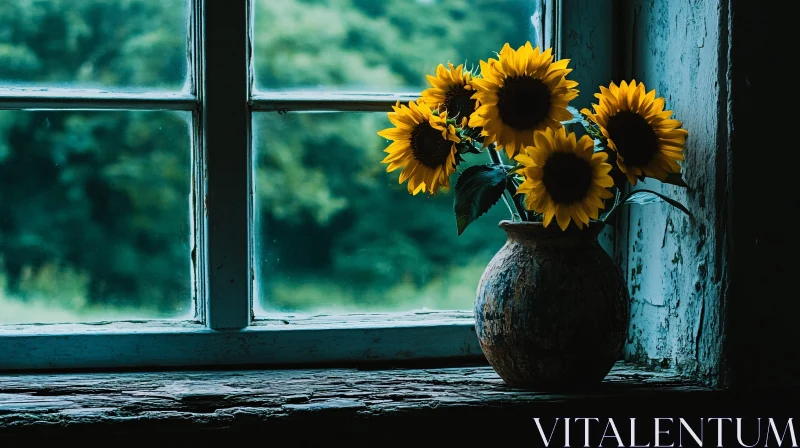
(337, 233)
(93, 43)
(94, 216)
(371, 45)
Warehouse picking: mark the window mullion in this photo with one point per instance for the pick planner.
(553, 38)
(225, 124)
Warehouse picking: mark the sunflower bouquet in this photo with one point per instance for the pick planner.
(562, 165)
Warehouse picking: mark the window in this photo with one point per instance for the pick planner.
(198, 184)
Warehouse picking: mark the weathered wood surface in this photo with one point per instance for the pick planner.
(64, 98)
(300, 100)
(276, 341)
(266, 322)
(220, 398)
(676, 267)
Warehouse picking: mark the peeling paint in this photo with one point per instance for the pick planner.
(677, 48)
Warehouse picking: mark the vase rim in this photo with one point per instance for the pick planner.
(530, 228)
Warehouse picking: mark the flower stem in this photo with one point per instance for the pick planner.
(514, 215)
(511, 187)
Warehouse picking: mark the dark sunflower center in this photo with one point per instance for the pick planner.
(636, 140)
(428, 146)
(459, 103)
(567, 177)
(523, 102)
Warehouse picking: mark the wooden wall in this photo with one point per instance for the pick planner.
(714, 296)
(676, 266)
(717, 296)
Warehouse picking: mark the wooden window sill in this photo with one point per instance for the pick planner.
(302, 401)
(186, 400)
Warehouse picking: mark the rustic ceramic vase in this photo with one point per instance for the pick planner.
(552, 308)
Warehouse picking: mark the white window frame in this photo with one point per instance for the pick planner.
(224, 331)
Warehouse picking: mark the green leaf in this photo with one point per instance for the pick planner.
(464, 148)
(587, 126)
(577, 117)
(594, 131)
(475, 133)
(477, 189)
(642, 197)
(675, 179)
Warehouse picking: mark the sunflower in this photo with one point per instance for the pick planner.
(520, 92)
(424, 145)
(452, 92)
(646, 141)
(564, 178)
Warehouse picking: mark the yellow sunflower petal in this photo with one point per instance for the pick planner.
(638, 156)
(561, 151)
(581, 214)
(511, 76)
(548, 215)
(525, 159)
(543, 141)
(394, 134)
(562, 217)
(418, 148)
(599, 157)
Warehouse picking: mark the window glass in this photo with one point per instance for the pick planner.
(94, 216)
(373, 45)
(93, 43)
(336, 233)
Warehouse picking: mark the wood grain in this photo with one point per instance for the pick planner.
(676, 266)
(279, 340)
(220, 398)
(113, 99)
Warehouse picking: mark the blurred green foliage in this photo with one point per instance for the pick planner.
(95, 206)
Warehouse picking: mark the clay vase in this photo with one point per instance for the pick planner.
(552, 308)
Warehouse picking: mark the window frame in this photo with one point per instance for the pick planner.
(224, 331)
